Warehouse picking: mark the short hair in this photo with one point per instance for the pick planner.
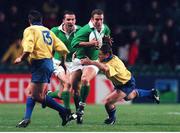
(106, 48)
(35, 16)
(96, 11)
(68, 12)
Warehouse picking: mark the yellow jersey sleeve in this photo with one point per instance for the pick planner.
(28, 40)
(59, 46)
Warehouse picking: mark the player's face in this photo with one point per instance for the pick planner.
(102, 56)
(69, 21)
(97, 21)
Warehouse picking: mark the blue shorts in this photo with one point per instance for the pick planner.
(128, 87)
(41, 70)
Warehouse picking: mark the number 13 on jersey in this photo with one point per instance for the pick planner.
(47, 38)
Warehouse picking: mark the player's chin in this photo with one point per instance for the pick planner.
(70, 25)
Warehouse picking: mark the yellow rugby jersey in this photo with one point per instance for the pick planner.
(117, 73)
(40, 42)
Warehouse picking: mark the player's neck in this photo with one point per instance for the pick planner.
(108, 58)
(68, 31)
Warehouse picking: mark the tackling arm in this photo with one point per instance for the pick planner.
(101, 66)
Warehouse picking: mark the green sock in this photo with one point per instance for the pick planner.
(65, 95)
(54, 94)
(84, 92)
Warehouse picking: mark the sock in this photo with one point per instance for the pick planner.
(54, 94)
(30, 103)
(54, 105)
(76, 100)
(144, 93)
(111, 112)
(84, 92)
(65, 95)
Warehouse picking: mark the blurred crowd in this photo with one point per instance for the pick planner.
(144, 32)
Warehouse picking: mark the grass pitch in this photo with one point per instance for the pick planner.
(137, 117)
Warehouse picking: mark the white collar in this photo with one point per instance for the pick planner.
(61, 28)
(92, 26)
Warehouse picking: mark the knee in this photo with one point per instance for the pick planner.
(84, 80)
(107, 101)
(38, 97)
(67, 85)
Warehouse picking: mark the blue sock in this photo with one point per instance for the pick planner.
(54, 105)
(30, 103)
(144, 93)
(111, 113)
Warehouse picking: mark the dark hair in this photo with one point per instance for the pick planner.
(35, 16)
(96, 11)
(68, 12)
(106, 48)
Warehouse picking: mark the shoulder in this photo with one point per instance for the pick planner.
(84, 30)
(29, 29)
(78, 27)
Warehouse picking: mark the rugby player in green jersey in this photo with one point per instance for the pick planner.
(65, 32)
(87, 42)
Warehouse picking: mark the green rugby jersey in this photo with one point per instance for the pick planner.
(66, 39)
(85, 34)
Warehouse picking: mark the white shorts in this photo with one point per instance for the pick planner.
(76, 65)
(59, 69)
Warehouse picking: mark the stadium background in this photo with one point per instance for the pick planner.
(145, 33)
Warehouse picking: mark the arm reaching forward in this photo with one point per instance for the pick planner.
(101, 66)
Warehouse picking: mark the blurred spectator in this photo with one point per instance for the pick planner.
(118, 36)
(123, 52)
(127, 15)
(168, 39)
(51, 10)
(153, 13)
(148, 44)
(14, 18)
(134, 48)
(14, 51)
(172, 10)
(4, 33)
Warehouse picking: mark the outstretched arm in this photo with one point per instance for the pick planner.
(21, 58)
(100, 65)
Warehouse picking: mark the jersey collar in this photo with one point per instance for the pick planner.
(60, 28)
(108, 58)
(92, 26)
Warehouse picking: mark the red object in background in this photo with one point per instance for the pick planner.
(12, 88)
(133, 53)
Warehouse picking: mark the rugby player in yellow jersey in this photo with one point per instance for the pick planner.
(122, 79)
(38, 46)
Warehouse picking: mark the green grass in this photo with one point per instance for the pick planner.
(137, 117)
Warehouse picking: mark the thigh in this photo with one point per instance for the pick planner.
(114, 96)
(64, 77)
(88, 73)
